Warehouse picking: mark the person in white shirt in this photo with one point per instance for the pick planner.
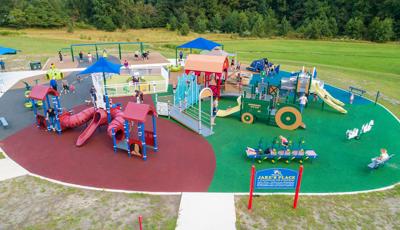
(303, 101)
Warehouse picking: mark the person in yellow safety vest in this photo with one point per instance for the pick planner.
(105, 55)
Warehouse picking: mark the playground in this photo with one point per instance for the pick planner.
(192, 150)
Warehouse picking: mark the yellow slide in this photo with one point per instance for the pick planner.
(227, 112)
(328, 99)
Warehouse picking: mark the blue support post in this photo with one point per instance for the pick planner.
(35, 111)
(126, 127)
(114, 140)
(56, 110)
(142, 139)
(108, 109)
(48, 101)
(59, 104)
(155, 134)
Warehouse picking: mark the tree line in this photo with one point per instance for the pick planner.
(313, 19)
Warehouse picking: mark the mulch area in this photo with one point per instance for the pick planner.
(185, 161)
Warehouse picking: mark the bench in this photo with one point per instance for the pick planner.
(4, 122)
(357, 91)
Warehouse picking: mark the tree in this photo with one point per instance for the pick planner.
(215, 23)
(200, 26)
(258, 27)
(184, 30)
(17, 18)
(173, 22)
(231, 23)
(380, 30)
(355, 28)
(244, 24)
(284, 27)
(270, 23)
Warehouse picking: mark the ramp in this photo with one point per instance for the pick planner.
(189, 122)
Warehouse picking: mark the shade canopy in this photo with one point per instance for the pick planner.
(103, 66)
(218, 52)
(5, 50)
(39, 92)
(208, 64)
(138, 112)
(200, 43)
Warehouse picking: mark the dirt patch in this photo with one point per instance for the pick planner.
(377, 210)
(29, 202)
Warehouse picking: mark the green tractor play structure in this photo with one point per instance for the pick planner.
(285, 116)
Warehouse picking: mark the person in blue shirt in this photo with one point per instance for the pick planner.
(53, 83)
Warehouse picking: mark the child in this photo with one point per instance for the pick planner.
(303, 101)
(284, 141)
(53, 83)
(80, 56)
(60, 56)
(50, 117)
(351, 98)
(65, 87)
(72, 88)
(90, 58)
(126, 64)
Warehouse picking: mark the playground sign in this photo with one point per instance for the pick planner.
(276, 178)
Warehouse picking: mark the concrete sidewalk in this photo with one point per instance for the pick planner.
(206, 211)
(9, 169)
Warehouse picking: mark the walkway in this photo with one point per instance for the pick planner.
(9, 169)
(206, 211)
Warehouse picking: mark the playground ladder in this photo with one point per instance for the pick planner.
(188, 121)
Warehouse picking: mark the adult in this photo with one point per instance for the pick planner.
(50, 117)
(180, 55)
(60, 56)
(302, 101)
(90, 58)
(136, 55)
(80, 56)
(53, 83)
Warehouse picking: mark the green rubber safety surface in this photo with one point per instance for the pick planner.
(341, 165)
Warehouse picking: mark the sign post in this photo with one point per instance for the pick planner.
(296, 195)
(253, 171)
(140, 222)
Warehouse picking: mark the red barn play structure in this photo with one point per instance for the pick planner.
(208, 69)
(122, 125)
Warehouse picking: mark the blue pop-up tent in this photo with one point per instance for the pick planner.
(198, 43)
(6, 50)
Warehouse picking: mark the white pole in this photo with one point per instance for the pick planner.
(199, 114)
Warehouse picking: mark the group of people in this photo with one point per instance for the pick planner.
(66, 87)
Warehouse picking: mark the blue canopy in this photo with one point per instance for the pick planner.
(200, 43)
(103, 66)
(5, 50)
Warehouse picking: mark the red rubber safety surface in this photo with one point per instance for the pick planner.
(185, 160)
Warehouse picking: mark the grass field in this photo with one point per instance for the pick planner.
(366, 65)
(31, 203)
(377, 210)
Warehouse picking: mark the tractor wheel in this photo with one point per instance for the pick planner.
(247, 118)
(288, 118)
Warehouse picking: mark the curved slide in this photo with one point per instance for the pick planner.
(99, 118)
(71, 121)
(328, 99)
(227, 112)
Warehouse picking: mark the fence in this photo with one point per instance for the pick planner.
(128, 89)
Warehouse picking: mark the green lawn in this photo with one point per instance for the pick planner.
(370, 66)
(376, 210)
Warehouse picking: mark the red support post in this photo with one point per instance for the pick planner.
(296, 195)
(140, 222)
(253, 171)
